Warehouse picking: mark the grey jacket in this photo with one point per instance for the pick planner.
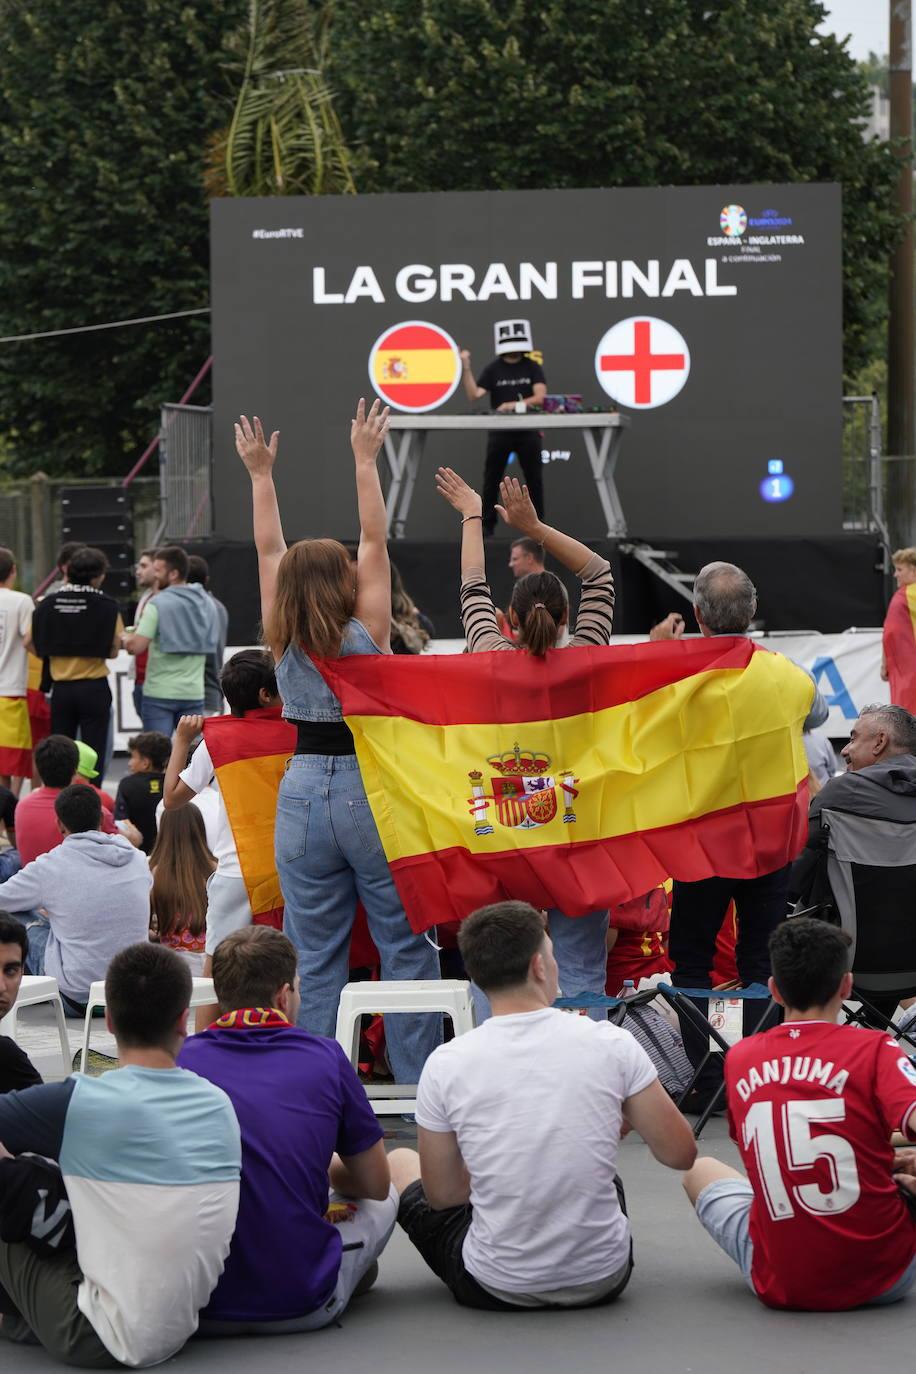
(884, 791)
(95, 891)
(188, 621)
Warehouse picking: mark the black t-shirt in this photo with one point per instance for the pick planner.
(138, 796)
(510, 381)
(16, 1069)
(75, 622)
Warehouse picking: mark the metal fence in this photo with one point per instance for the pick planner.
(30, 518)
(878, 488)
(185, 471)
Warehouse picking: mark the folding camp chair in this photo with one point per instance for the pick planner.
(871, 870)
(680, 1000)
(584, 1001)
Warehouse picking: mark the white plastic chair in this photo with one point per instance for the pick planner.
(201, 994)
(33, 991)
(450, 996)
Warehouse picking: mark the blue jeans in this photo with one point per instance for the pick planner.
(39, 930)
(724, 1210)
(328, 855)
(580, 949)
(163, 714)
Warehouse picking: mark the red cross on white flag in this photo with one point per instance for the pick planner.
(642, 362)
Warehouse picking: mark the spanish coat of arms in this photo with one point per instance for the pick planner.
(524, 792)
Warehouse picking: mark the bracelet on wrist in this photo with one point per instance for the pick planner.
(466, 518)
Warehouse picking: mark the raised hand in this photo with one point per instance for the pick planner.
(672, 627)
(517, 508)
(367, 432)
(251, 446)
(188, 728)
(457, 492)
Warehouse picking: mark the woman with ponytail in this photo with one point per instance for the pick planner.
(315, 603)
(539, 612)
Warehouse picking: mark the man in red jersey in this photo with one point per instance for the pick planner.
(821, 1222)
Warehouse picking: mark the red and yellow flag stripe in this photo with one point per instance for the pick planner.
(899, 642)
(249, 755)
(664, 759)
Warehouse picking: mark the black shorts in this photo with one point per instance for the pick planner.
(439, 1237)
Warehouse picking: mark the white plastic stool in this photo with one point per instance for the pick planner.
(201, 994)
(450, 996)
(33, 991)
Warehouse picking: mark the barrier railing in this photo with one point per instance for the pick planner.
(185, 471)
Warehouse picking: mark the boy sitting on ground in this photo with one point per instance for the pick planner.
(149, 1163)
(515, 1200)
(307, 1126)
(56, 760)
(93, 891)
(819, 1223)
(141, 791)
(16, 1069)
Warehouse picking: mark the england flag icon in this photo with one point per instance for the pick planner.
(642, 362)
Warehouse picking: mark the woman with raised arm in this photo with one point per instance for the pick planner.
(539, 612)
(314, 602)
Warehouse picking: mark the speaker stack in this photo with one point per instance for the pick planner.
(102, 517)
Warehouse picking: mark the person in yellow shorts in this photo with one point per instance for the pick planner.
(15, 627)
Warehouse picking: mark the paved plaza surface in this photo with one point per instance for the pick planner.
(686, 1309)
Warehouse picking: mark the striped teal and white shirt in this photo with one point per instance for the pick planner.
(151, 1160)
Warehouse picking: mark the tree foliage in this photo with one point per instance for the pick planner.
(441, 95)
(105, 110)
(284, 138)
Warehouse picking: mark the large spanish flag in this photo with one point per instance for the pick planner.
(900, 647)
(249, 755)
(580, 780)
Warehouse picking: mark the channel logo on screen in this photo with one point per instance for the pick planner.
(777, 485)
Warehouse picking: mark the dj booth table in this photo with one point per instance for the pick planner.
(602, 434)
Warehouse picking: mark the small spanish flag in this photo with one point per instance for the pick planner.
(900, 646)
(249, 755)
(39, 708)
(415, 366)
(582, 779)
(15, 738)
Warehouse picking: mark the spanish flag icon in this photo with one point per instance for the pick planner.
(415, 366)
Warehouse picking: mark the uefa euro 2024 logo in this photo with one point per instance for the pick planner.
(733, 221)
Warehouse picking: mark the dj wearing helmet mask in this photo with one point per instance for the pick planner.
(515, 382)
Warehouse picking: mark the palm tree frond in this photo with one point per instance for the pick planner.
(284, 137)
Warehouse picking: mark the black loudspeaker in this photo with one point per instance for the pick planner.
(94, 501)
(102, 518)
(120, 556)
(121, 586)
(97, 530)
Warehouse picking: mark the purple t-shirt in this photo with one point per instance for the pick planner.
(298, 1100)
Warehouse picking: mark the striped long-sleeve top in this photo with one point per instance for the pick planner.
(593, 622)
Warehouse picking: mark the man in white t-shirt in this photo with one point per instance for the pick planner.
(514, 1200)
(15, 624)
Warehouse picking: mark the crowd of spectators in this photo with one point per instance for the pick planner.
(200, 1145)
